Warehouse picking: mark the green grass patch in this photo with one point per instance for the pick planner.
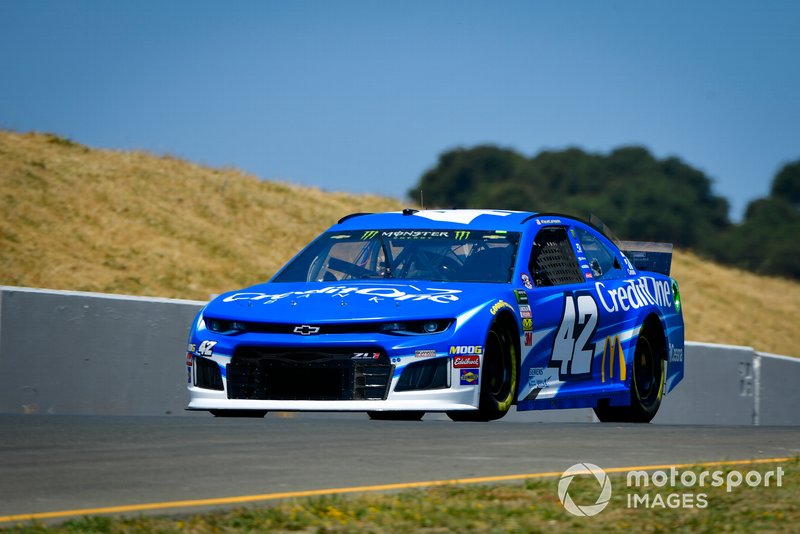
(533, 506)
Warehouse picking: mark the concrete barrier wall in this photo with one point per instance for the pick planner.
(86, 353)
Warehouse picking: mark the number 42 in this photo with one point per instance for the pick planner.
(572, 350)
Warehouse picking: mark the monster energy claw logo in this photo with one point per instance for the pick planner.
(462, 235)
(369, 234)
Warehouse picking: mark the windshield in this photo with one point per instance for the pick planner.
(434, 255)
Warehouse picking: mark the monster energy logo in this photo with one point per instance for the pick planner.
(369, 234)
(462, 235)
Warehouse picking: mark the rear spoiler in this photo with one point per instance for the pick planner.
(653, 257)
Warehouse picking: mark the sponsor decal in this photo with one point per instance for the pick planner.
(466, 349)
(589, 276)
(579, 248)
(521, 296)
(525, 311)
(526, 281)
(528, 339)
(191, 348)
(539, 378)
(460, 362)
(635, 294)
(611, 350)
(424, 353)
(675, 354)
(462, 235)
(548, 221)
(527, 325)
(469, 377)
(420, 234)
(499, 306)
(628, 265)
(206, 348)
(439, 296)
(369, 234)
(189, 360)
(676, 296)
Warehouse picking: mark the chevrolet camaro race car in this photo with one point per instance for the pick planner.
(467, 312)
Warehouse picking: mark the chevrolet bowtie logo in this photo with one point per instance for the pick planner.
(306, 330)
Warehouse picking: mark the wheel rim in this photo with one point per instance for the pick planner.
(646, 371)
(496, 367)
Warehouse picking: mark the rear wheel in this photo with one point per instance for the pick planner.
(647, 383)
(396, 416)
(239, 413)
(498, 378)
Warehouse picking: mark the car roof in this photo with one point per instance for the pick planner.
(437, 219)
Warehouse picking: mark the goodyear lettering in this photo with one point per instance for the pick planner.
(499, 306)
(634, 294)
(466, 349)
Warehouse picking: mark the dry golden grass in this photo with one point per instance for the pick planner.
(134, 223)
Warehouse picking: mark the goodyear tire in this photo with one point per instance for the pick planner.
(498, 378)
(647, 382)
(239, 413)
(396, 416)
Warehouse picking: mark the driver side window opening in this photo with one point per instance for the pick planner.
(601, 260)
(553, 260)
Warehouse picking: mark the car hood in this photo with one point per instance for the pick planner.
(321, 302)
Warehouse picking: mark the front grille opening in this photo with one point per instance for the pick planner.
(207, 374)
(308, 374)
(428, 374)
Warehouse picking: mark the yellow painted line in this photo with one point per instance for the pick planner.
(355, 489)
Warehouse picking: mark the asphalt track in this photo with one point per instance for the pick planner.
(56, 467)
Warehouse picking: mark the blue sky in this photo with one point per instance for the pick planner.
(363, 96)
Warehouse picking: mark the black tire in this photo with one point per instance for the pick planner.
(256, 414)
(647, 382)
(396, 416)
(498, 378)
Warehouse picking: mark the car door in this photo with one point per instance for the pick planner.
(554, 287)
(563, 361)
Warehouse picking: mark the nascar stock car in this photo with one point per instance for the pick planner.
(467, 312)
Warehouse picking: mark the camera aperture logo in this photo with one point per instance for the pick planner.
(586, 510)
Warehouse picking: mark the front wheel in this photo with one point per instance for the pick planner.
(498, 379)
(647, 384)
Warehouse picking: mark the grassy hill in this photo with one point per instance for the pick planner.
(77, 218)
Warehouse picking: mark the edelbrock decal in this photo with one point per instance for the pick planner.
(440, 296)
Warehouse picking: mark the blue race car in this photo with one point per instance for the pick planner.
(467, 312)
